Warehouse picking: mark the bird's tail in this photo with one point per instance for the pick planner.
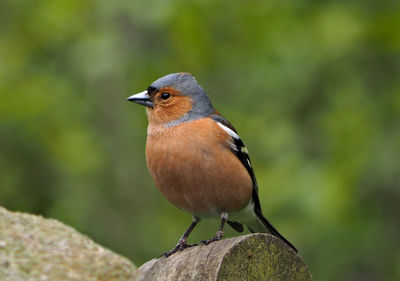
(252, 217)
(264, 226)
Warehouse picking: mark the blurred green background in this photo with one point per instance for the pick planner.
(313, 89)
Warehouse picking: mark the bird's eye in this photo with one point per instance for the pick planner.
(165, 96)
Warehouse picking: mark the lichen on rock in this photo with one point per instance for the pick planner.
(35, 248)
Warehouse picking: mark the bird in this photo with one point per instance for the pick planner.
(197, 159)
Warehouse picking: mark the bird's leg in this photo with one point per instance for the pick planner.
(220, 232)
(182, 242)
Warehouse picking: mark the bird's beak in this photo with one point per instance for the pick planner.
(141, 98)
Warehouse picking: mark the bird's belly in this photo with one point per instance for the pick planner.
(201, 179)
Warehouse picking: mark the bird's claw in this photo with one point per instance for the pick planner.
(217, 237)
(182, 244)
(179, 247)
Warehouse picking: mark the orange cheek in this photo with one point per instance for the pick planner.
(161, 114)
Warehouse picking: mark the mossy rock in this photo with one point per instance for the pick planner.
(250, 257)
(34, 248)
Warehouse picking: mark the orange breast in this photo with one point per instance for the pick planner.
(192, 166)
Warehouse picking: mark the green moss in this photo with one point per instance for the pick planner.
(262, 257)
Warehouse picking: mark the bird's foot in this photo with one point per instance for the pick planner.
(217, 237)
(179, 247)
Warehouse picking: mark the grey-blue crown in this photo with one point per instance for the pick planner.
(184, 82)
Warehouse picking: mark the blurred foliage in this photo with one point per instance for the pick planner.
(312, 86)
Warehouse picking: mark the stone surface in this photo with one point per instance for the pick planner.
(250, 257)
(34, 248)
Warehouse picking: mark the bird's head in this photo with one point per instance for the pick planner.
(173, 99)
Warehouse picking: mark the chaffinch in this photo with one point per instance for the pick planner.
(197, 159)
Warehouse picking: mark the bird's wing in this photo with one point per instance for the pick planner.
(240, 150)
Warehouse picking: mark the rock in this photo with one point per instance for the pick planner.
(250, 257)
(35, 248)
